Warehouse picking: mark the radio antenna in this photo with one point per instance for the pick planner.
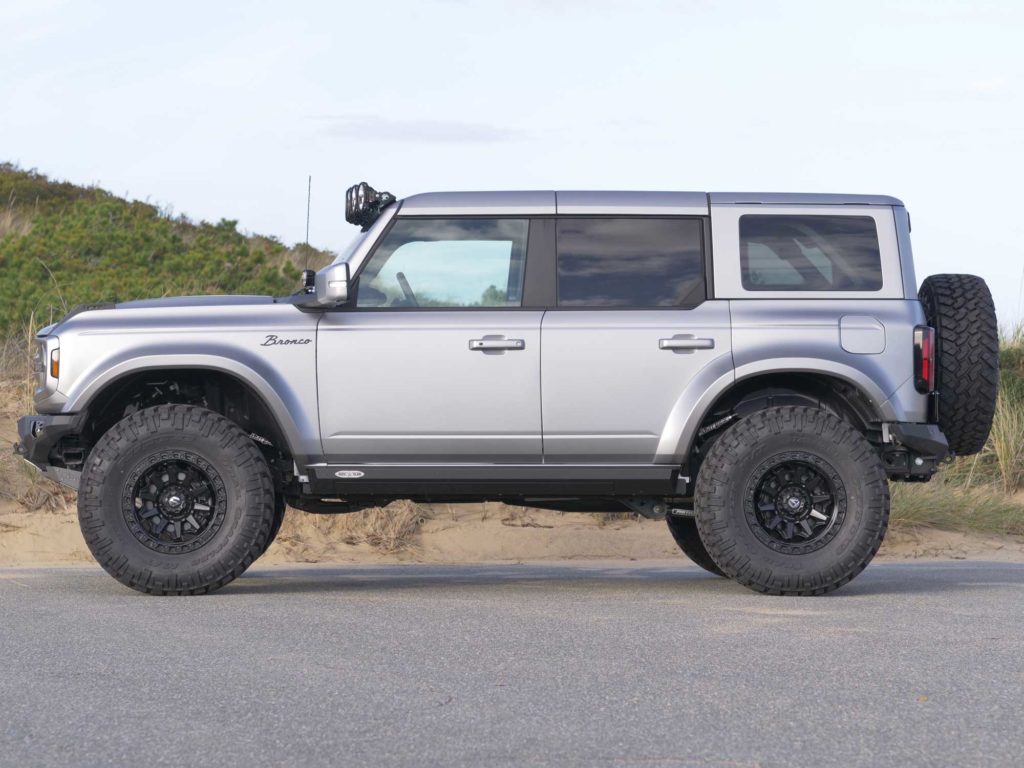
(309, 196)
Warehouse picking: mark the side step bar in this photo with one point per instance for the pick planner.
(492, 480)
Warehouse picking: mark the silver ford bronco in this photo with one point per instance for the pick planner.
(753, 368)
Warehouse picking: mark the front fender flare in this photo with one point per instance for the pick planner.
(285, 405)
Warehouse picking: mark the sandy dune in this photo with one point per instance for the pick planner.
(474, 533)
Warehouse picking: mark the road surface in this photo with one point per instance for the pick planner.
(580, 664)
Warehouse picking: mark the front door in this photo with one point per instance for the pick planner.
(434, 361)
(631, 332)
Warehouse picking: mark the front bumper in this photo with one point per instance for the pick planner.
(37, 437)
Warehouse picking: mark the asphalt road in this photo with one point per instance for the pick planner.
(586, 664)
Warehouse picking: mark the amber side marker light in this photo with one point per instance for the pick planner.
(55, 364)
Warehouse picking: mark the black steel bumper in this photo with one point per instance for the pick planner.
(914, 451)
(37, 435)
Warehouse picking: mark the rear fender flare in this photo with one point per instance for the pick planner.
(695, 403)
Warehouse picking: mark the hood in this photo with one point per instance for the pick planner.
(169, 302)
(192, 301)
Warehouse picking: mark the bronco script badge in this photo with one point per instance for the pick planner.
(274, 341)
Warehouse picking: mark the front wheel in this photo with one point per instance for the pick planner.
(176, 500)
(792, 501)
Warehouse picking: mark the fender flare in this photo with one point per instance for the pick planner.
(271, 388)
(705, 390)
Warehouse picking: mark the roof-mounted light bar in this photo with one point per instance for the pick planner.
(363, 204)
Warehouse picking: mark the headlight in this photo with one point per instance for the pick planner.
(38, 355)
(45, 366)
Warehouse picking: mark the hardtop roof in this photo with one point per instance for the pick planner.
(541, 202)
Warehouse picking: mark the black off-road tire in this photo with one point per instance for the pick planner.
(280, 507)
(737, 470)
(960, 309)
(204, 450)
(684, 531)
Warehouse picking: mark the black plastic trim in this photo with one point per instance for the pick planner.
(37, 435)
(541, 274)
(491, 480)
(709, 261)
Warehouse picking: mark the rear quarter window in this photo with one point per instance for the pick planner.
(809, 253)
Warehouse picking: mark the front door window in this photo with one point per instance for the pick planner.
(447, 263)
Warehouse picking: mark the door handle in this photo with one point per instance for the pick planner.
(483, 345)
(686, 344)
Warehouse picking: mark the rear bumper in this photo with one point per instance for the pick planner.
(923, 439)
(39, 434)
(913, 452)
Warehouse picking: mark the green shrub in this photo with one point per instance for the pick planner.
(65, 245)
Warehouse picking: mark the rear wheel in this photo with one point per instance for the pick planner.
(684, 531)
(176, 500)
(960, 309)
(792, 501)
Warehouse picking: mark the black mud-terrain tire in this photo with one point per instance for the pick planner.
(684, 531)
(737, 468)
(280, 507)
(240, 500)
(960, 309)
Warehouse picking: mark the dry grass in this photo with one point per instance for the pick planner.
(939, 505)
(1007, 443)
(387, 529)
(18, 481)
(14, 222)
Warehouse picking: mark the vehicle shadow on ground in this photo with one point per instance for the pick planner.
(883, 578)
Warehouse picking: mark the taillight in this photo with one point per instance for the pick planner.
(924, 359)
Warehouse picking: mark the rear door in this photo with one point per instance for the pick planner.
(631, 331)
(435, 361)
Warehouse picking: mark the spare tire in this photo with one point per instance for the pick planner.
(960, 309)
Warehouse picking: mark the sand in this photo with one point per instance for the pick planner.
(470, 534)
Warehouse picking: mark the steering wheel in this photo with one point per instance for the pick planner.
(406, 289)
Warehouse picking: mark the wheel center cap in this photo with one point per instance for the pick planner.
(173, 502)
(793, 502)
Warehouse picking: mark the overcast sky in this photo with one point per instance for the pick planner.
(220, 109)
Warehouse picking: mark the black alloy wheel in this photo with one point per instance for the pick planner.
(175, 505)
(796, 503)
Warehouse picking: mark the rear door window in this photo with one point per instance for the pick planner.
(633, 262)
(809, 253)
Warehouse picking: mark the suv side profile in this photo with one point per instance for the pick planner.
(753, 368)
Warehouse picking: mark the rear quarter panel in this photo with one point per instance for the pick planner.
(817, 336)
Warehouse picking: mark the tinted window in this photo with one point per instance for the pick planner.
(809, 253)
(447, 263)
(630, 262)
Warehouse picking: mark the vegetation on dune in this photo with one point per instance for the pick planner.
(985, 492)
(63, 245)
